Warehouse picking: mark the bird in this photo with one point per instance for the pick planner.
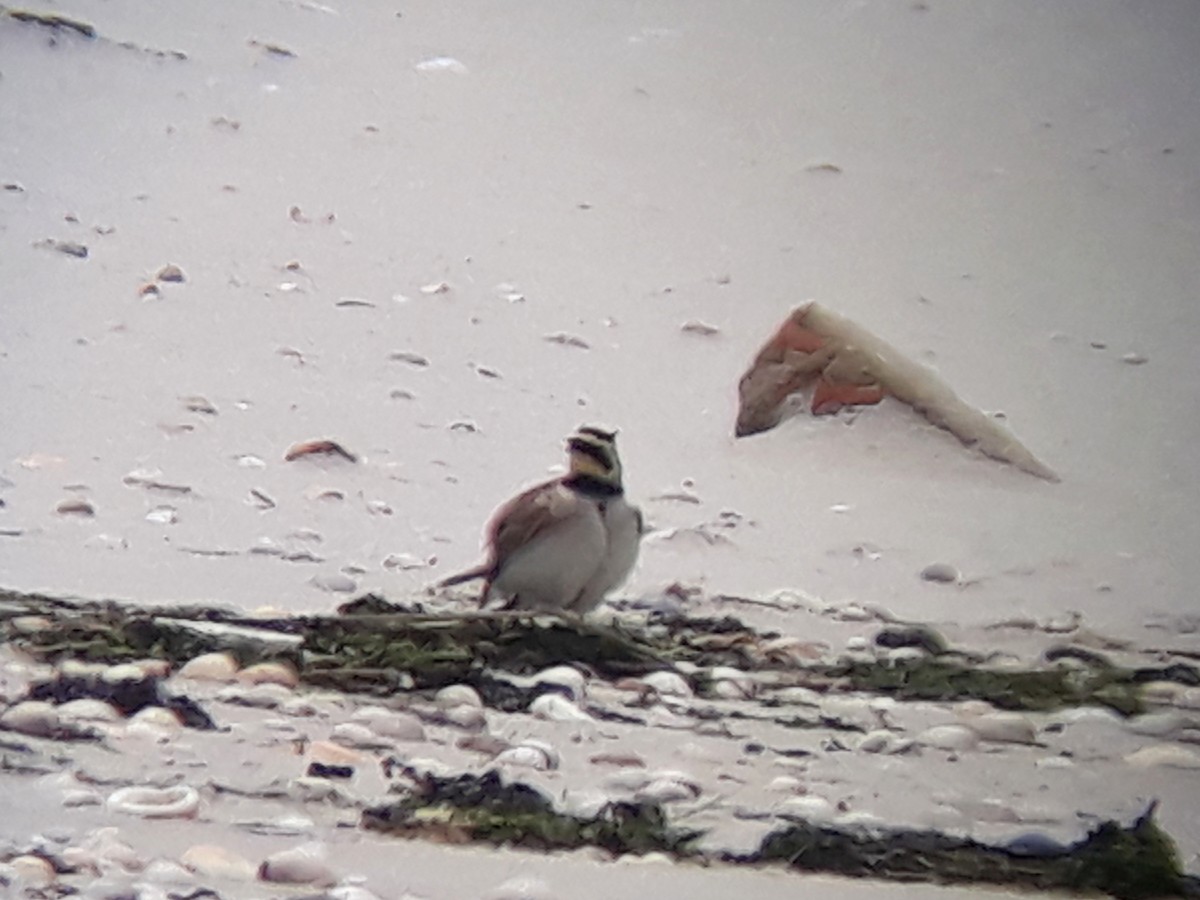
(563, 544)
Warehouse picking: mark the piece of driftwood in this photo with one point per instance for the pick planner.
(844, 364)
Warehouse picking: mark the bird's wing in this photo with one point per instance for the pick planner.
(530, 513)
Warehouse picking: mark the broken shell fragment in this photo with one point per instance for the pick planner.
(172, 273)
(320, 447)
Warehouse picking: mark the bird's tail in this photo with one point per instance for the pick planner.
(483, 570)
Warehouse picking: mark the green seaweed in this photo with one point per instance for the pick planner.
(1131, 863)
(483, 809)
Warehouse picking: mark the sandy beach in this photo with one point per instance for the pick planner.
(445, 235)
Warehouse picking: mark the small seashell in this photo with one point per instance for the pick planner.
(941, 573)
(557, 708)
(32, 873)
(210, 667)
(330, 754)
(405, 562)
(522, 887)
(568, 678)
(407, 356)
(335, 582)
(1135, 359)
(530, 754)
(472, 718)
(172, 273)
(441, 64)
(300, 865)
(1004, 728)
(197, 404)
(809, 807)
(322, 447)
(352, 734)
(178, 802)
(87, 709)
(258, 696)
(353, 302)
(668, 787)
(453, 695)
(729, 683)
(75, 506)
(695, 326)
(81, 797)
(436, 287)
(163, 515)
(270, 673)
(567, 340)
(667, 683)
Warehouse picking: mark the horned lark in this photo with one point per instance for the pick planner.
(565, 543)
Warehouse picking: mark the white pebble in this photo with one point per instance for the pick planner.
(457, 695)
(210, 667)
(33, 717)
(156, 717)
(299, 865)
(669, 684)
(556, 708)
(178, 802)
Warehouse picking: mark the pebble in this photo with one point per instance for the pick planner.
(949, 737)
(1168, 756)
(299, 865)
(557, 708)
(33, 717)
(270, 673)
(179, 802)
(210, 667)
(885, 742)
